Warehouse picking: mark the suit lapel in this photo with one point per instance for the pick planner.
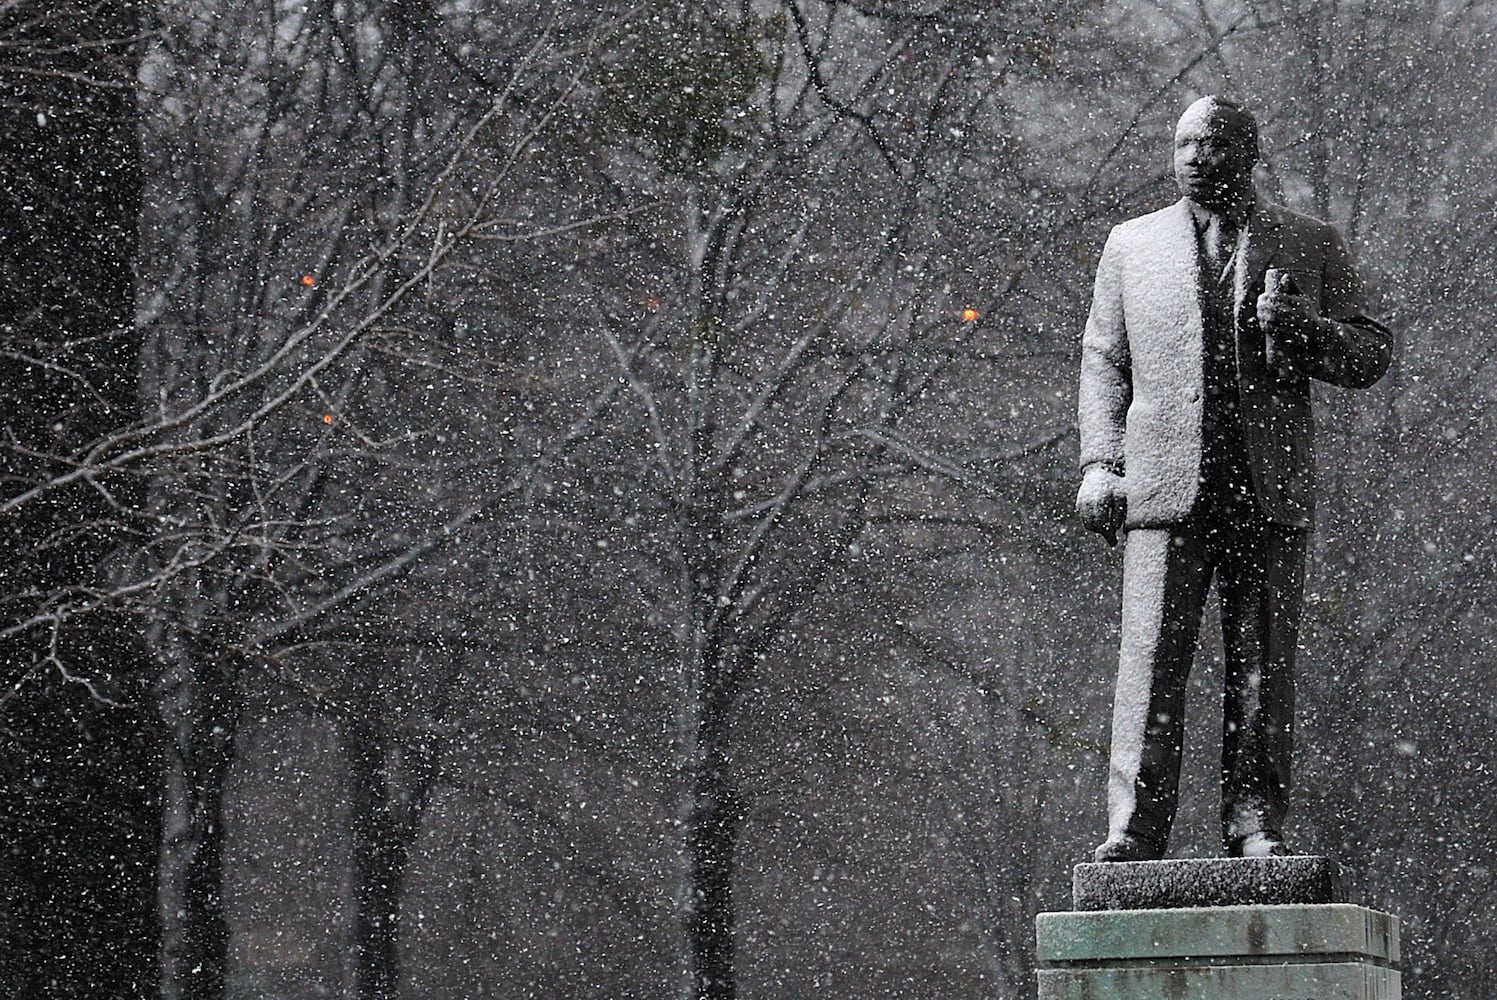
(1180, 284)
(1262, 244)
(1263, 240)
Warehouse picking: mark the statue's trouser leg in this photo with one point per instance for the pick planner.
(1261, 579)
(1165, 578)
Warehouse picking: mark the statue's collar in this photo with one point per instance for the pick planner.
(1238, 215)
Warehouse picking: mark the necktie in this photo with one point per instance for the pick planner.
(1221, 245)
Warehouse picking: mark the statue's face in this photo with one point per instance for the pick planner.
(1214, 155)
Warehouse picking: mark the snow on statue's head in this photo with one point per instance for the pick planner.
(1229, 117)
(1216, 146)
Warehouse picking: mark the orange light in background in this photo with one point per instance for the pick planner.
(308, 280)
(652, 303)
(327, 418)
(969, 314)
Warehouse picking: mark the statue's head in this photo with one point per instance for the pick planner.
(1216, 146)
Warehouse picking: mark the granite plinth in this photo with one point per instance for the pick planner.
(1335, 931)
(1289, 982)
(1194, 882)
(1216, 929)
(1334, 951)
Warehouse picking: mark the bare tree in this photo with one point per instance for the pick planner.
(76, 744)
(786, 326)
(326, 183)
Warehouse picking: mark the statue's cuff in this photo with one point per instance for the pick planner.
(1116, 468)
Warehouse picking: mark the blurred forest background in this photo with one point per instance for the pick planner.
(561, 499)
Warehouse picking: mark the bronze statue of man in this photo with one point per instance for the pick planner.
(1209, 318)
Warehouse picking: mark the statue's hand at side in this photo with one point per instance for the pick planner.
(1101, 502)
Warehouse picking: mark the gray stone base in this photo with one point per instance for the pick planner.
(1321, 982)
(1307, 951)
(1162, 885)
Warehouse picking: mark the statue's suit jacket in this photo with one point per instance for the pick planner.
(1142, 374)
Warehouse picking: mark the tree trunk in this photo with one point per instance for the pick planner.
(200, 706)
(375, 885)
(712, 843)
(78, 820)
(714, 823)
(386, 809)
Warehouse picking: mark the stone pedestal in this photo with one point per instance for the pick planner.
(1216, 929)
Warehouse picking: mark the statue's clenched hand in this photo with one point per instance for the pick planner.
(1289, 319)
(1101, 502)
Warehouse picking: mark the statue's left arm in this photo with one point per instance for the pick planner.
(1346, 346)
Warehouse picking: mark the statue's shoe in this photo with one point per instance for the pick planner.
(1263, 844)
(1127, 848)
